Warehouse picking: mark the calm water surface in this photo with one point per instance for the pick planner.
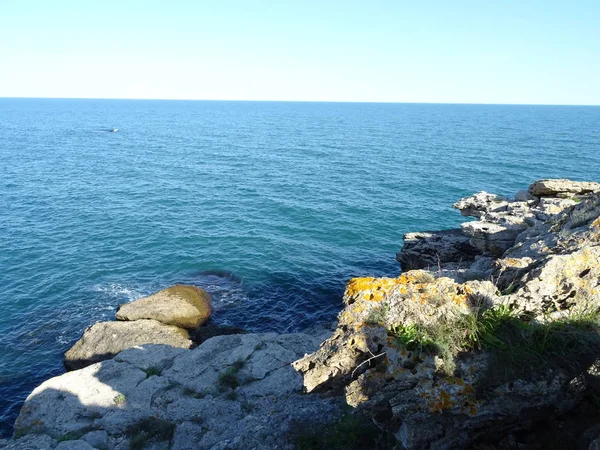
(269, 206)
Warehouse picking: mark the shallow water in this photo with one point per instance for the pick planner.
(269, 206)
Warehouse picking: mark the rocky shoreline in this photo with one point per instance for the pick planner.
(491, 333)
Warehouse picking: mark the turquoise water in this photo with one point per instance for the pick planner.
(269, 206)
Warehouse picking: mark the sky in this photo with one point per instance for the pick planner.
(437, 51)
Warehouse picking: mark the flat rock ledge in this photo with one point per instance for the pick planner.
(231, 392)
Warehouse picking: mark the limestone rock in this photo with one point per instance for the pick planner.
(432, 250)
(477, 205)
(30, 442)
(183, 306)
(493, 238)
(525, 196)
(540, 262)
(236, 391)
(553, 187)
(105, 339)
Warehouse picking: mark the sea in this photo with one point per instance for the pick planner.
(269, 206)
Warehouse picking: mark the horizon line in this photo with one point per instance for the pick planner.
(297, 101)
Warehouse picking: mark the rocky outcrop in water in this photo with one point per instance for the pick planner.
(162, 318)
(183, 306)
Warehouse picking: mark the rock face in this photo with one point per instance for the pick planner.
(183, 306)
(232, 392)
(105, 339)
(431, 249)
(443, 362)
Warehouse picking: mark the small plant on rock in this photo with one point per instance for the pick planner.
(148, 430)
(350, 432)
(229, 377)
(151, 371)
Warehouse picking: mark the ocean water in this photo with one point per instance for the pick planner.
(269, 206)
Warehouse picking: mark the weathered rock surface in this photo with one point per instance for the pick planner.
(104, 340)
(232, 392)
(541, 266)
(434, 249)
(557, 187)
(183, 306)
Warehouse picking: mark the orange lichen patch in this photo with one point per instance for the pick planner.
(371, 289)
(511, 262)
(443, 401)
(596, 223)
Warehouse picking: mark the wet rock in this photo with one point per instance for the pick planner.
(74, 445)
(553, 187)
(183, 306)
(105, 339)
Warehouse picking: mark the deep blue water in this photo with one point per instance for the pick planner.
(291, 198)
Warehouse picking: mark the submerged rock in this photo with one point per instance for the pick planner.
(105, 339)
(183, 306)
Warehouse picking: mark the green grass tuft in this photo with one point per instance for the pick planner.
(229, 377)
(150, 429)
(518, 346)
(151, 371)
(350, 432)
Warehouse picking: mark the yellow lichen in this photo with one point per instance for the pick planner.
(370, 288)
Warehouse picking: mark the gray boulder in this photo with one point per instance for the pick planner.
(105, 339)
(183, 306)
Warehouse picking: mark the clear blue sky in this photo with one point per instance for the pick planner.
(522, 51)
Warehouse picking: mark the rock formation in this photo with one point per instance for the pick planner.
(104, 340)
(496, 330)
(503, 342)
(162, 318)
